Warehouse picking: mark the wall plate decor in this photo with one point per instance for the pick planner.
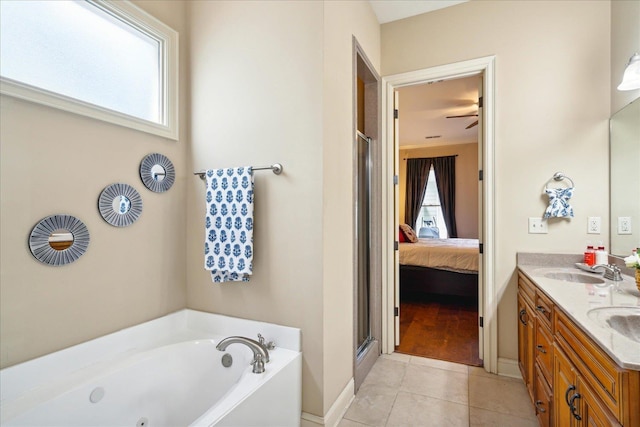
(59, 239)
(157, 172)
(120, 204)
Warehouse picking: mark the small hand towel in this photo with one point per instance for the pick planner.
(228, 247)
(559, 206)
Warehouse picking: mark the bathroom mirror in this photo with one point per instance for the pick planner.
(58, 240)
(624, 155)
(120, 204)
(157, 172)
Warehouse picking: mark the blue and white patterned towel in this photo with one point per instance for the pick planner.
(228, 247)
(559, 206)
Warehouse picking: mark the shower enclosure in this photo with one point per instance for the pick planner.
(367, 191)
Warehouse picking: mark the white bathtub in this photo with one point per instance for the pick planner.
(162, 373)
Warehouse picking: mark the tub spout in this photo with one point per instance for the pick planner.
(260, 352)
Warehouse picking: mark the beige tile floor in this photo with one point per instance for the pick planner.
(403, 390)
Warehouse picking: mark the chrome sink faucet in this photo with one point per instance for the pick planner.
(260, 351)
(611, 271)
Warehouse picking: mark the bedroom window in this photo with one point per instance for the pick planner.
(103, 59)
(431, 219)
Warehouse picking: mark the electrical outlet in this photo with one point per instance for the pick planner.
(537, 226)
(624, 225)
(593, 225)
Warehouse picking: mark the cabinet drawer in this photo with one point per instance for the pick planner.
(602, 373)
(527, 289)
(544, 352)
(542, 401)
(544, 308)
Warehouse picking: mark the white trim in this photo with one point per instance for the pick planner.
(390, 83)
(335, 413)
(509, 368)
(138, 19)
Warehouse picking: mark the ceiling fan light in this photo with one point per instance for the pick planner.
(631, 76)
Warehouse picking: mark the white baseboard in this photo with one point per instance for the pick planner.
(508, 368)
(335, 413)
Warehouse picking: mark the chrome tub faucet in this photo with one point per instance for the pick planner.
(260, 350)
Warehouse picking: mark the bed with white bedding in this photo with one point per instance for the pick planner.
(440, 266)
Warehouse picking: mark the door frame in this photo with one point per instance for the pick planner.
(489, 298)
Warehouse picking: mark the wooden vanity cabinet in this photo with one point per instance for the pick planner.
(571, 380)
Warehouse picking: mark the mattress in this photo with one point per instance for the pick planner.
(460, 255)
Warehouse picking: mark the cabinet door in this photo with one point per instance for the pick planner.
(526, 344)
(593, 411)
(565, 394)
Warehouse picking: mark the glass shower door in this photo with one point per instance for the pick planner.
(363, 242)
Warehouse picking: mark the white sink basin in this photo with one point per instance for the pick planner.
(623, 320)
(573, 277)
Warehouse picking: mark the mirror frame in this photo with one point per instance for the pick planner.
(105, 205)
(147, 176)
(39, 240)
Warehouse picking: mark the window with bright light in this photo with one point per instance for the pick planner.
(431, 219)
(107, 60)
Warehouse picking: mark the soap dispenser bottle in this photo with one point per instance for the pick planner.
(589, 255)
(602, 257)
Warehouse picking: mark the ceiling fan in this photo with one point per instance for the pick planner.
(466, 115)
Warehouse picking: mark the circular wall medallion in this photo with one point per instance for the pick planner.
(157, 172)
(120, 205)
(59, 239)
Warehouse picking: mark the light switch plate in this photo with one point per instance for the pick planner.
(593, 225)
(537, 226)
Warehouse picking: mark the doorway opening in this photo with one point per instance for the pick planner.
(485, 324)
(438, 198)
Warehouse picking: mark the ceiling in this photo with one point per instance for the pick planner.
(424, 109)
(392, 10)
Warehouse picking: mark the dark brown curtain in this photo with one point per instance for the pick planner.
(444, 169)
(417, 176)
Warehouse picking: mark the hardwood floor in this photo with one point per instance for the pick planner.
(440, 327)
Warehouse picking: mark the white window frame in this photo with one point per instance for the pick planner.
(141, 21)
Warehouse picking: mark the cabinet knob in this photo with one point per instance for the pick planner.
(541, 348)
(540, 407)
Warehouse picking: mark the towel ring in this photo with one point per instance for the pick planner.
(559, 176)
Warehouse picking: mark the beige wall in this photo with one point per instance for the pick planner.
(55, 162)
(550, 114)
(625, 41)
(343, 20)
(466, 183)
(271, 82)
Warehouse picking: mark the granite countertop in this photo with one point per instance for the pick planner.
(577, 299)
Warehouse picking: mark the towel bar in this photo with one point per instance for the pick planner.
(276, 168)
(559, 176)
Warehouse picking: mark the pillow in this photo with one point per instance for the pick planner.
(401, 237)
(409, 233)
